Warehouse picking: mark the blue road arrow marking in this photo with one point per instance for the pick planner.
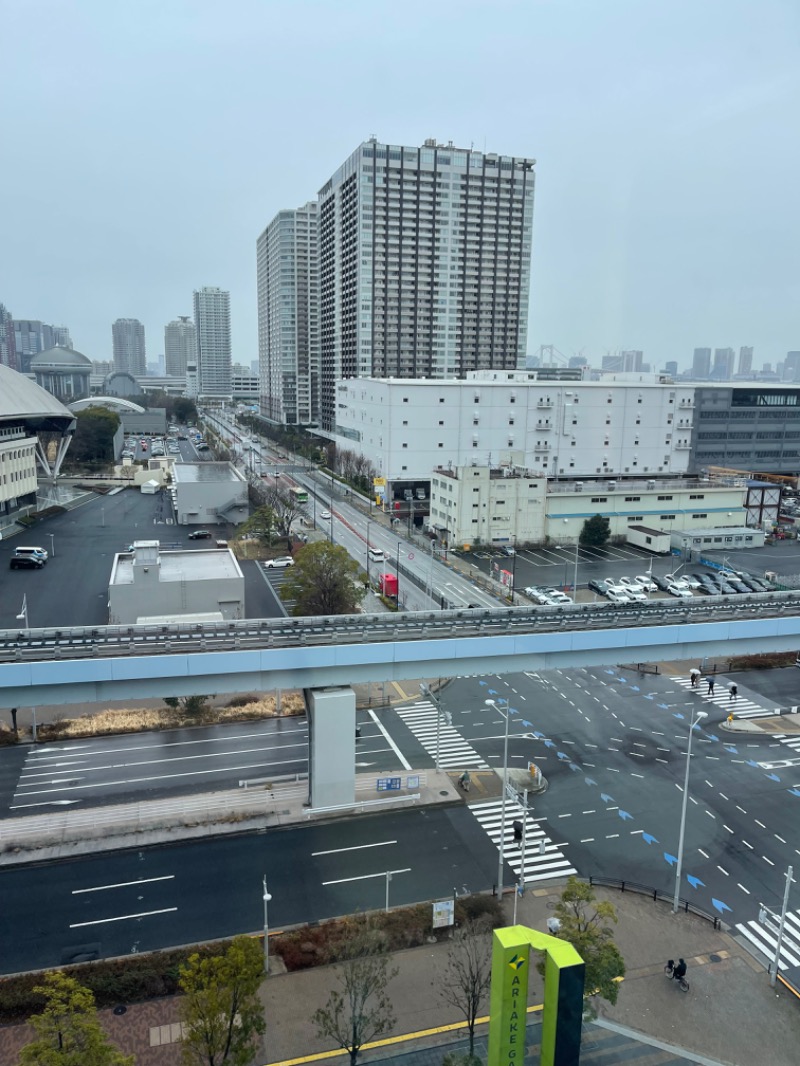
(527, 724)
(663, 706)
(670, 858)
(591, 781)
(484, 683)
(635, 688)
(731, 749)
(549, 744)
(648, 838)
(794, 791)
(649, 695)
(695, 882)
(677, 714)
(625, 816)
(609, 672)
(751, 762)
(712, 736)
(574, 766)
(562, 755)
(538, 735)
(720, 906)
(604, 796)
(773, 777)
(622, 680)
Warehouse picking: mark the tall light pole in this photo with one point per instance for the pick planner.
(52, 545)
(439, 712)
(267, 897)
(23, 614)
(762, 917)
(575, 571)
(677, 898)
(492, 703)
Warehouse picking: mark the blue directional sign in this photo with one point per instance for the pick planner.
(389, 784)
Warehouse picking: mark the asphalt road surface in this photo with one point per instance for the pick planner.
(153, 765)
(143, 900)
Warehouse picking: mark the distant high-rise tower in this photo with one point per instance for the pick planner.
(745, 361)
(288, 317)
(671, 368)
(791, 367)
(8, 348)
(212, 320)
(701, 363)
(61, 337)
(180, 345)
(424, 264)
(129, 348)
(722, 369)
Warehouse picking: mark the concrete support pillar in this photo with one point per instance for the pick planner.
(331, 746)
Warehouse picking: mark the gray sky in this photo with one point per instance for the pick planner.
(146, 144)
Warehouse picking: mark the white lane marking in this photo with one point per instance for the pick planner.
(123, 917)
(764, 857)
(759, 823)
(747, 890)
(723, 871)
(779, 838)
(389, 741)
(366, 877)
(356, 847)
(123, 884)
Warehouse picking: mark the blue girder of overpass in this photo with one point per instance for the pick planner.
(39, 667)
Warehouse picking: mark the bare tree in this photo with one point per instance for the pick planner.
(284, 507)
(466, 977)
(359, 1010)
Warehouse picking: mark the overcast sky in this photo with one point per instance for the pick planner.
(144, 145)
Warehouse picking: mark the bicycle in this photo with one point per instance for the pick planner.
(669, 970)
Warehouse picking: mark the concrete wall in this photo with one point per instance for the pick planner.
(331, 743)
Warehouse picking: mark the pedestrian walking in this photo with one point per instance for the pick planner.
(733, 690)
(694, 676)
(710, 683)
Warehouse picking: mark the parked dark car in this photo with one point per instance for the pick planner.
(199, 534)
(598, 586)
(709, 588)
(25, 562)
(661, 582)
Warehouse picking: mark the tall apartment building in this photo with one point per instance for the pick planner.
(671, 368)
(8, 348)
(701, 363)
(724, 359)
(424, 264)
(745, 365)
(180, 345)
(127, 335)
(791, 367)
(32, 336)
(288, 317)
(212, 319)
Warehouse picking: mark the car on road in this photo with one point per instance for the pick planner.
(200, 534)
(681, 591)
(598, 586)
(617, 595)
(325, 515)
(26, 562)
(646, 582)
(279, 563)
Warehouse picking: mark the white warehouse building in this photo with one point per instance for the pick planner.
(625, 426)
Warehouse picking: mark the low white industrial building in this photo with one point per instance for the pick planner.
(149, 582)
(722, 539)
(209, 493)
(507, 506)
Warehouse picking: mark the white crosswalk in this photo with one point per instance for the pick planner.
(454, 752)
(541, 861)
(741, 707)
(765, 939)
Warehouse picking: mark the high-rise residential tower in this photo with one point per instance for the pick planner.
(745, 366)
(701, 363)
(8, 348)
(129, 348)
(32, 336)
(180, 345)
(288, 317)
(424, 264)
(212, 320)
(724, 358)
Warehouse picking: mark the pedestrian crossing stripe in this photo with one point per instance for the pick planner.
(765, 940)
(543, 858)
(739, 705)
(455, 753)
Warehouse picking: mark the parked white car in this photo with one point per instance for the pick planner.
(617, 595)
(680, 590)
(284, 560)
(636, 595)
(630, 583)
(559, 597)
(646, 582)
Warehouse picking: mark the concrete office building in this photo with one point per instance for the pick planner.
(32, 336)
(212, 320)
(209, 493)
(424, 264)
(724, 359)
(624, 362)
(640, 426)
(127, 335)
(745, 365)
(288, 317)
(8, 347)
(671, 368)
(752, 428)
(701, 363)
(62, 372)
(791, 367)
(483, 505)
(180, 346)
(150, 582)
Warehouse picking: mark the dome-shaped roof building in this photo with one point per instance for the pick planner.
(63, 372)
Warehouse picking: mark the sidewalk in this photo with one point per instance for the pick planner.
(730, 1016)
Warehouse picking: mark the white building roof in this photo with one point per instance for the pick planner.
(199, 564)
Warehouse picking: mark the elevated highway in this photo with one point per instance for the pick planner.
(57, 666)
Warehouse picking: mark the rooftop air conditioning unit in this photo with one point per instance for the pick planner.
(579, 486)
(612, 485)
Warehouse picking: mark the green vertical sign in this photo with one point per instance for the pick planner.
(563, 998)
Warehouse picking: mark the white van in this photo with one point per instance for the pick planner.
(39, 553)
(377, 555)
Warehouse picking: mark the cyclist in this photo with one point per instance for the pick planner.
(679, 971)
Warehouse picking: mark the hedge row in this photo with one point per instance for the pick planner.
(768, 661)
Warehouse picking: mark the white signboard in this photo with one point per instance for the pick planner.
(444, 913)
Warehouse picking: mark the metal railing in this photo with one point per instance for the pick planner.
(655, 894)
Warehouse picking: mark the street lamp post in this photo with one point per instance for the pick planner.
(677, 898)
(23, 614)
(267, 897)
(492, 703)
(397, 571)
(435, 701)
(52, 545)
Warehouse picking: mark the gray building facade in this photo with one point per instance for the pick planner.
(212, 321)
(752, 428)
(180, 346)
(127, 335)
(209, 494)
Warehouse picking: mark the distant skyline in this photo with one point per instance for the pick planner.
(665, 216)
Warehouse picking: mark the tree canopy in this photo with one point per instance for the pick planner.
(68, 1032)
(323, 581)
(596, 531)
(94, 435)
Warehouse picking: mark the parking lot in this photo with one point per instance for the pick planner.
(72, 588)
(554, 566)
